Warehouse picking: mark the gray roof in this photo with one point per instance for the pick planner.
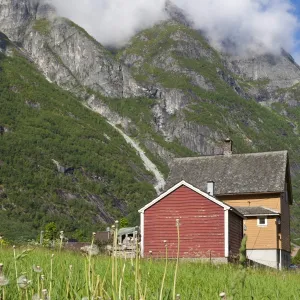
(127, 230)
(233, 174)
(255, 211)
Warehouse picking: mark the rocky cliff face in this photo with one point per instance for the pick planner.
(168, 89)
(171, 63)
(64, 52)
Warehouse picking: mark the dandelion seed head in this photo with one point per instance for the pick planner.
(23, 282)
(3, 281)
(37, 269)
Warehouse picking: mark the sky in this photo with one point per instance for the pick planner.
(258, 26)
(296, 51)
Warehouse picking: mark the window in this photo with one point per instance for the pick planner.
(262, 221)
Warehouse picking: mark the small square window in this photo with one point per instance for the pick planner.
(262, 221)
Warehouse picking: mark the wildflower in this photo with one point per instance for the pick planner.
(37, 269)
(3, 280)
(223, 295)
(94, 233)
(61, 236)
(177, 223)
(178, 297)
(42, 277)
(150, 252)
(45, 294)
(23, 282)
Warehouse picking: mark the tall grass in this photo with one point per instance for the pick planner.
(64, 276)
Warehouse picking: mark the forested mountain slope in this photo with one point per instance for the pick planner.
(100, 177)
(168, 90)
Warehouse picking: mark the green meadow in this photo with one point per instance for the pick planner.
(37, 273)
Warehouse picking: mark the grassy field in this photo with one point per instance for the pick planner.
(66, 275)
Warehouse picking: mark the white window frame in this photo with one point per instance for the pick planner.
(262, 225)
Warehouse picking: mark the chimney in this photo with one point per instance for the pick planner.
(227, 147)
(210, 188)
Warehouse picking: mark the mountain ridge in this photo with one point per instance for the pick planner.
(168, 90)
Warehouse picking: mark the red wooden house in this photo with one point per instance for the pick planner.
(209, 229)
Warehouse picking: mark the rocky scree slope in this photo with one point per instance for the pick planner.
(168, 89)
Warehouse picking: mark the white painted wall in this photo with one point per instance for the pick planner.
(264, 257)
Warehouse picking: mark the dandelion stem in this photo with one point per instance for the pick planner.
(136, 271)
(51, 275)
(15, 263)
(177, 259)
(164, 276)
(121, 279)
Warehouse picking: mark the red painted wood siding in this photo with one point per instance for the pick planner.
(235, 233)
(201, 226)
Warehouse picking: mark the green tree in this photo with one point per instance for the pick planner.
(51, 231)
(124, 222)
(296, 258)
(243, 255)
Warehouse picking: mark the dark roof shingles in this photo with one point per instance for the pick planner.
(255, 211)
(234, 174)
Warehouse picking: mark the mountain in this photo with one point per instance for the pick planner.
(88, 133)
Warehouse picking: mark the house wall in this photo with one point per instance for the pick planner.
(272, 201)
(201, 226)
(285, 259)
(265, 257)
(278, 202)
(284, 229)
(261, 237)
(235, 233)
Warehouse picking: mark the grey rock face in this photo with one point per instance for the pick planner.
(265, 74)
(177, 14)
(64, 52)
(15, 16)
(280, 70)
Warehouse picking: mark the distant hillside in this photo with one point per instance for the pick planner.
(168, 90)
(42, 123)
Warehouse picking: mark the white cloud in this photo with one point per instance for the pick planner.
(112, 22)
(252, 25)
